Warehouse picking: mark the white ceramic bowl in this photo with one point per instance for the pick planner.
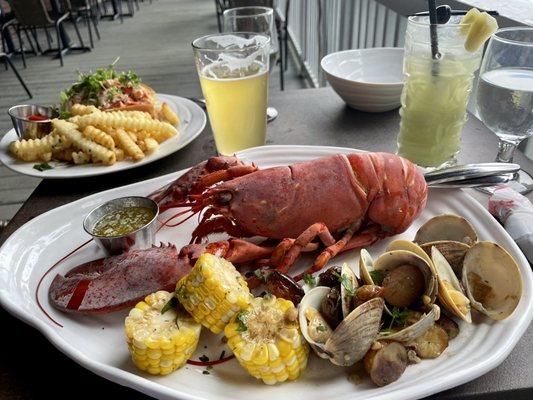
(367, 79)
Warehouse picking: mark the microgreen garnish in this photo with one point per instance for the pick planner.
(171, 304)
(399, 316)
(90, 85)
(241, 319)
(321, 328)
(42, 166)
(309, 279)
(260, 275)
(346, 282)
(204, 358)
(377, 276)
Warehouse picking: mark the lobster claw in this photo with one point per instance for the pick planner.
(117, 282)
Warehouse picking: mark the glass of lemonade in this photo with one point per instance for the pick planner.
(436, 92)
(233, 70)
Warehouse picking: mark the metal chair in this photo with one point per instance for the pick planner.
(87, 10)
(33, 14)
(6, 58)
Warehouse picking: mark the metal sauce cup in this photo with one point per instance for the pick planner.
(139, 239)
(27, 129)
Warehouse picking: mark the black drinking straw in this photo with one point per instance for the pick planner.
(433, 29)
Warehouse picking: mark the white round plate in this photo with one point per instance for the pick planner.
(192, 122)
(98, 343)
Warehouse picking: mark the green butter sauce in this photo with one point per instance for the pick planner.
(123, 221)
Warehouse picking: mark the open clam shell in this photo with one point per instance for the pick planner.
(401, 244)
(451, 294)
(492, 280)
(352, 338)
(415, 330)
(393, 259)
(366, 265)
(453, 251)
(446, 227)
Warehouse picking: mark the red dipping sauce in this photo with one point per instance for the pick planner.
(37, 117)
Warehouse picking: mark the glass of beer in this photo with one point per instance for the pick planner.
(233, 70)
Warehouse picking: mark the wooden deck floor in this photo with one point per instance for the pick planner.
(155, 43)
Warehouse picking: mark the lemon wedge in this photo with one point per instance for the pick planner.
(478, 27)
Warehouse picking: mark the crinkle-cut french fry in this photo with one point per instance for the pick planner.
(63, 154)
(159, 130)
(169, 115)
(132, 135)
(119, 153)
(141, 135)
(128, 145)
(97, 153)
(99, 136)
(82, 109)
(79, 157)
(148, 145)
(37, 149)
(132, 114)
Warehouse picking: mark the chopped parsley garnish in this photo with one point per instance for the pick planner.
(346, 282)
(260, 275)
(321, 328)
(241, 319)
(204, 358)
(171, 304)
(399, 316)
(42, 166)
(206, 372)
(377, 277)
(309, 279)
(222, 355)
(181, 292)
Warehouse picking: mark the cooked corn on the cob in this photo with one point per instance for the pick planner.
(159, 343)
(266, 340)
(213, 292)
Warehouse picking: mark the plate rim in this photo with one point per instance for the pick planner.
(152, 388)
(193, 108)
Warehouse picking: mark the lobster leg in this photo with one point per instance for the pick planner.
(317, 229)
(347, 242)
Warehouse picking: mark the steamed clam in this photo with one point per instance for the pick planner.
(392, 315)
(349, 341)
(450, 293)
(404, 276)
(492, 280)
(446, 227)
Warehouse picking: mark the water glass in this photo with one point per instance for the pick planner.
(436, 92)
(505, 92)
(233, 71)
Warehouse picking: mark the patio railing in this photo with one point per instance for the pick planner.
(320, 27)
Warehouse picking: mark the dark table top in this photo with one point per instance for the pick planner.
(30, 367)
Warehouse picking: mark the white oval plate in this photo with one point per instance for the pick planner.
(98, 344)
(192, 122)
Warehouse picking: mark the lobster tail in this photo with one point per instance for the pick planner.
(396, 189)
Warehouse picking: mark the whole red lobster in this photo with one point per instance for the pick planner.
(344, 201)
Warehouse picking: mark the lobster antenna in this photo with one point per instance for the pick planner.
(178, 214)
(181, 221)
